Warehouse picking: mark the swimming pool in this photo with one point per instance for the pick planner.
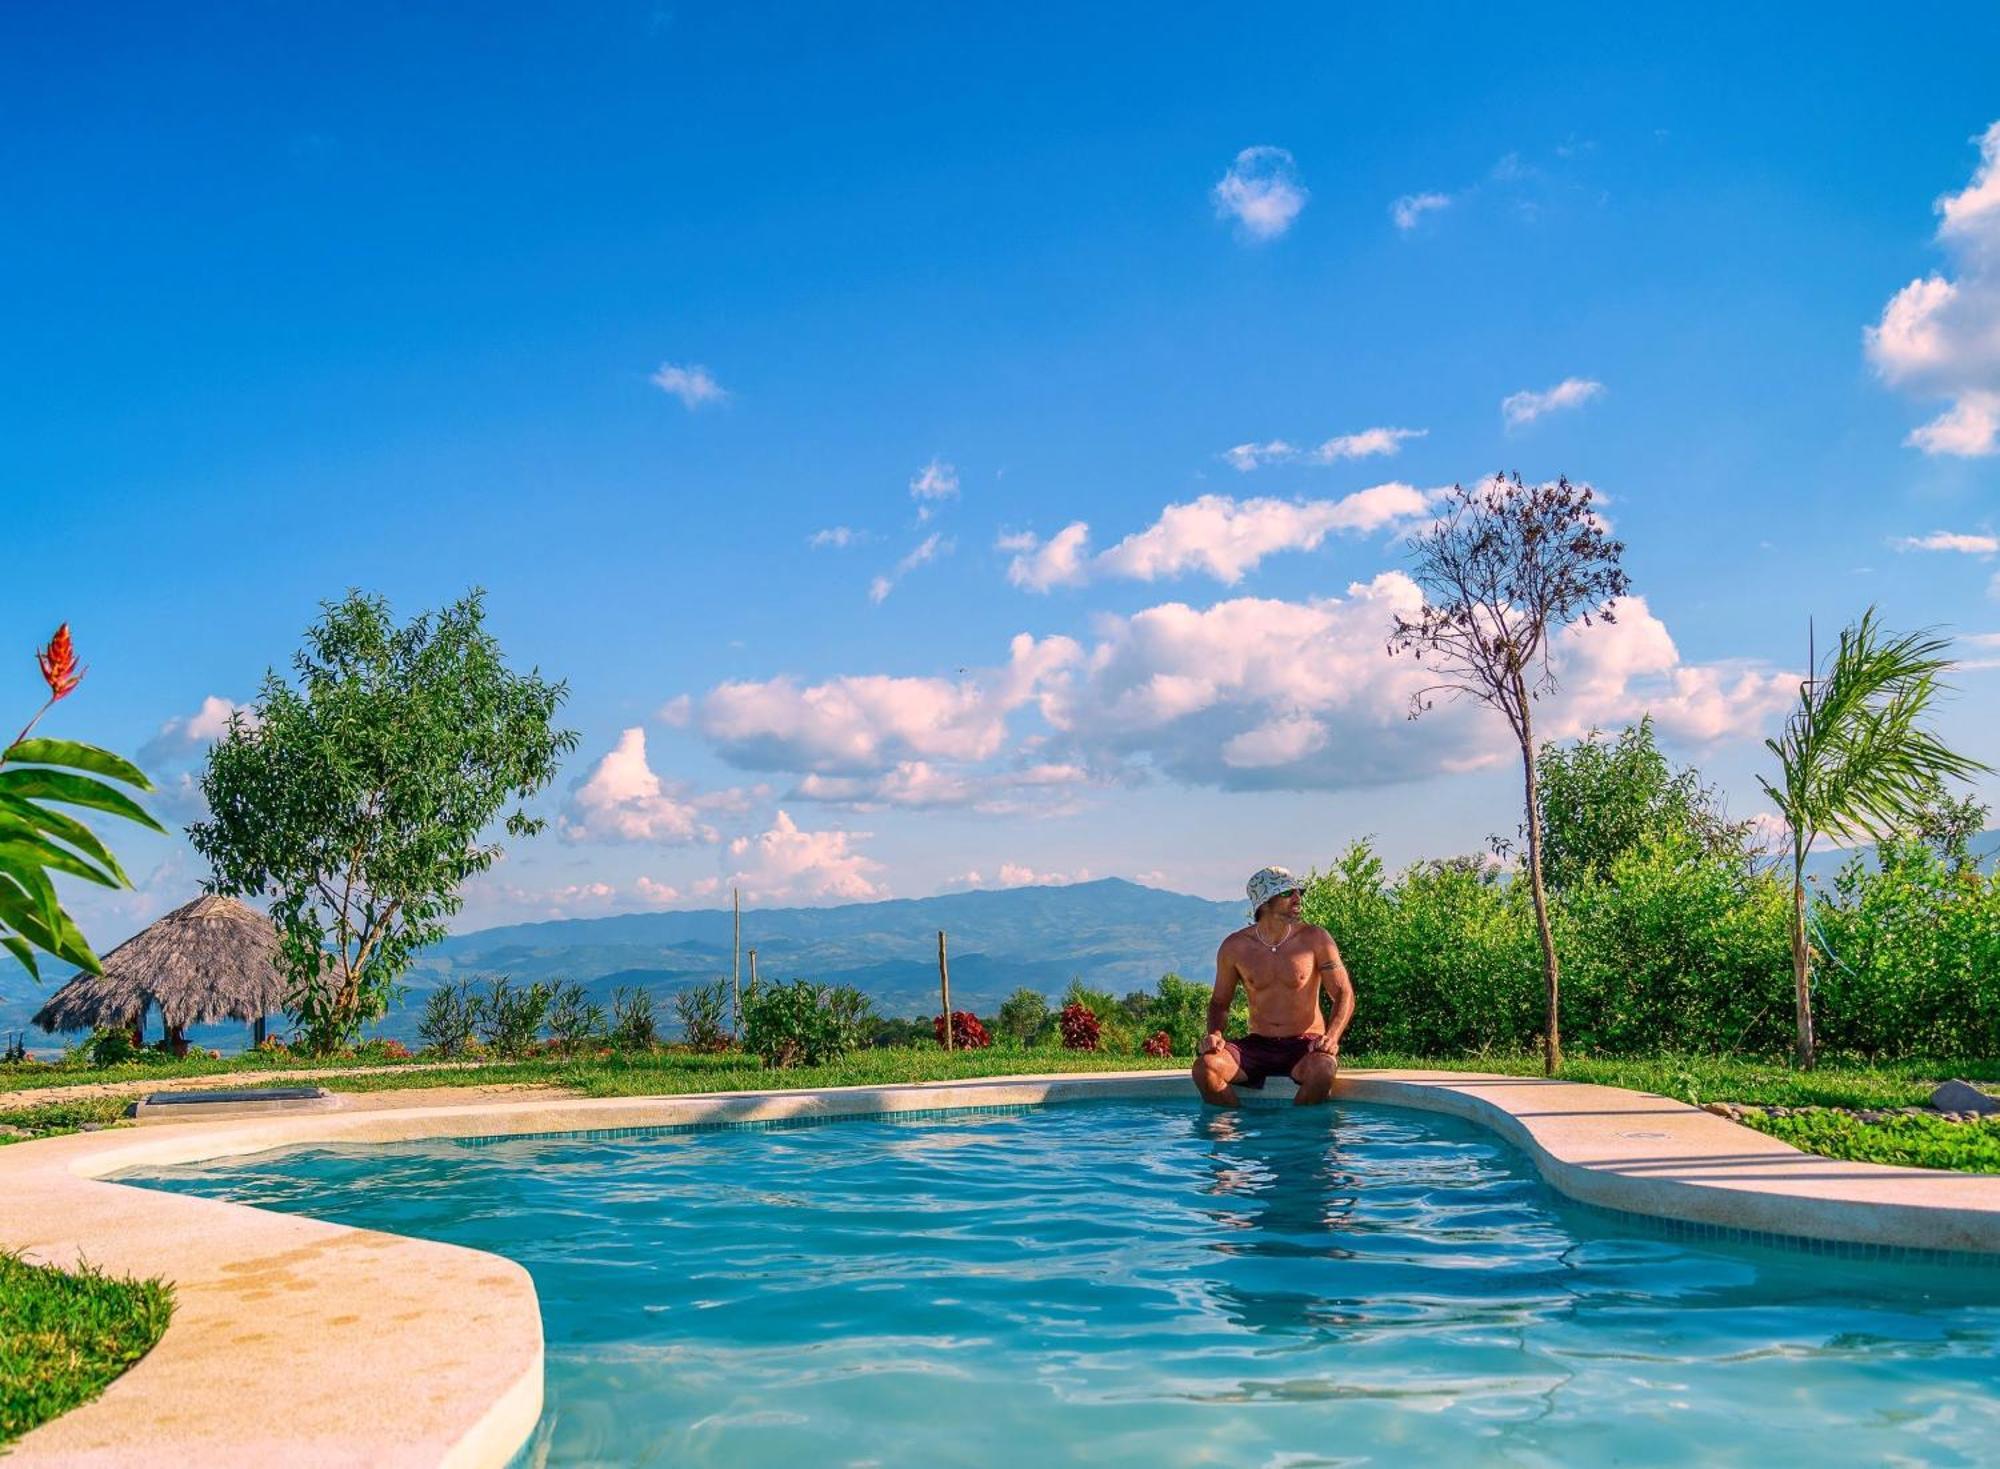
(1148, 1283)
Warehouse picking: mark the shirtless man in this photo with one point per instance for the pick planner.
(1284, 964)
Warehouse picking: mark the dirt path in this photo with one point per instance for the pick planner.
(83, 1091)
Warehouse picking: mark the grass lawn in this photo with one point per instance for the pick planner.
(64, 1336)
(1839, 1082)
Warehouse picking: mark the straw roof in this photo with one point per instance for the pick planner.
(213, 959)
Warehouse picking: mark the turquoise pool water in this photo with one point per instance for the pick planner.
(1150, 1284)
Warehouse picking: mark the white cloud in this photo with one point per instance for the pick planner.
(186, 735)
(1525, 407)
(1015, 875)
(928, 549)
(1940, 335)
(691, 384)
(840, 537)
(1257, 693)
(1262, 192)
(787, 863)
(935, 481)
(920, 785)
(656, 894)
(868, 724)
(1944, 540)
(1411, 208)
(1245, 457)
(623, 800)
(1060, 561)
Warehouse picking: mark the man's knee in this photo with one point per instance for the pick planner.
(1214, 1072)
(1316, 1070)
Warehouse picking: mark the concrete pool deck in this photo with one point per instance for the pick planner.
(299, 1342)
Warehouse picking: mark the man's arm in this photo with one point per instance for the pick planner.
(1219, 1001)
(1339, 990)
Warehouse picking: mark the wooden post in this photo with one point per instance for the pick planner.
(753, 969)
(944, 984)
(258, 1032)
(736, 963)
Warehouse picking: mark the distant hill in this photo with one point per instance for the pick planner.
(1115, 935)
(1826, 865)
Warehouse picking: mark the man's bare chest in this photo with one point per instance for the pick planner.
(1289, 968)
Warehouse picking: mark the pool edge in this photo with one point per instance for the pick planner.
(464, 1386)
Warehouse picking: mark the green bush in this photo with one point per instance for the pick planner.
(509, 1019)
(449, 1019)
(111, 1045)
(575, 1022)
(634, 1027)
(804, 1024)
(703, 1013)
(1022, 1016)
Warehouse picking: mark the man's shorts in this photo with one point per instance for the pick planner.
(1261, 1056)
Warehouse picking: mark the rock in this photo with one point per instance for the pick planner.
(1963, 1096)
(7, 1130)
(1720, 1109)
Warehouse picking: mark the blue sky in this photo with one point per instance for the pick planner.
(614, 313)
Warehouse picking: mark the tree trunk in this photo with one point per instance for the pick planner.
(1551, 978)
(1801, 961)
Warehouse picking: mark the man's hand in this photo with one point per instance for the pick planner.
(1326, 1044)
(1211, 1043)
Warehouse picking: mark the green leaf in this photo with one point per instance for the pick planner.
(17, 854)
(58, 937)
(22, 950)
(18, 815)
(37, 783)
(77, 756)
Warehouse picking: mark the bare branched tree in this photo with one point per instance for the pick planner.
(1505, 566)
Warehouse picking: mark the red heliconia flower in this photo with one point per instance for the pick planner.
(59, 669)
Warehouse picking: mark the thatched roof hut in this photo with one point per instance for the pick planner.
(213, 959)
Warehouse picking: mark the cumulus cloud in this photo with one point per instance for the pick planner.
(921, 785)
(1944, 540)
(622, 800)
(928, 549)
(839, 537)
(1525, 407)
(1261, 192)
(187, 735)
(868, 724)
(788, 863)
(1258, 693)
(692, 384)
(1411, 208)
(1939, 336)
(1371, 441)
(1061, 561)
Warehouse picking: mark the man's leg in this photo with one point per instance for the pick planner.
(1314, 1074)
(1214, 1075)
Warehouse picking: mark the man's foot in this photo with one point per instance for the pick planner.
(1315, 1076)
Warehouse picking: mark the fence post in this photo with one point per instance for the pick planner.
(944, 984)
(736, 964)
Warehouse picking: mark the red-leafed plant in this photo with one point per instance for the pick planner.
(1079, 1028)
(1160, 1043)
(967, 1034)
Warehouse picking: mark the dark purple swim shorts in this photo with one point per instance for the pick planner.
(1261, 1056)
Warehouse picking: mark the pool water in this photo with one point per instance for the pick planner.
(1153, 1284)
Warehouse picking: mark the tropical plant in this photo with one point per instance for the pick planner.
(1080, 1029)
(37, 840)
(1022, 1015)
(1505, 566)
(356, 801)
(450, 1017)
(575, 1022)
(633, 1024)
(1160, 1043)
(1856, 759)
(703, 1013)
(967, 1034)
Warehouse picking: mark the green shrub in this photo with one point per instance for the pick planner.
(576, 1024)
(703, 1013)
(510, 1020)
(1022, 1016)
(804, 1024)
(450, 1017)
(111, 1045)
(634, 1027)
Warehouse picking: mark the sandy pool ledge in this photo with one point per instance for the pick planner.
(303, 1343)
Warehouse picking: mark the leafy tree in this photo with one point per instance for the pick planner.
(804, 1024)
(1604, 797)
(1947, 825)
(1505, 566)
(356, 800)
(1856, 760)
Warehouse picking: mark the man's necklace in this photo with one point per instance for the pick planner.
(1281, 940)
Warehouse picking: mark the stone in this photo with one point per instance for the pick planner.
(1963, 1096)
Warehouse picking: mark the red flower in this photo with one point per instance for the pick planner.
(58, 661)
